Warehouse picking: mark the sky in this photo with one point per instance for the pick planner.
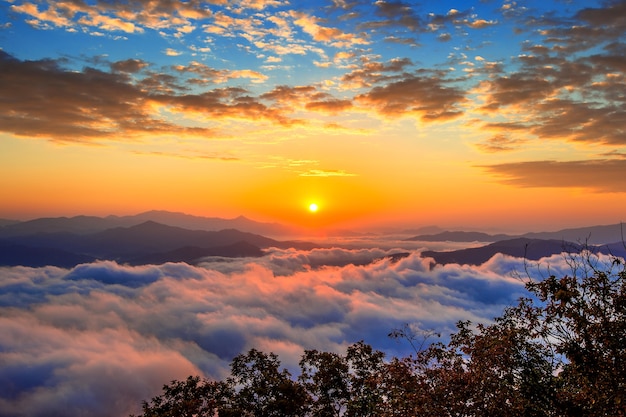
(499, 114)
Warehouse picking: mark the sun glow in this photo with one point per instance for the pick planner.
(313, 207)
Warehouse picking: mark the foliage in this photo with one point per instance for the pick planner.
(560, 352)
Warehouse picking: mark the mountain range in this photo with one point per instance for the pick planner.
(66, 242)
(593, 235)
(531, 249)
(158, 236)
(93, 224)
(607, 239)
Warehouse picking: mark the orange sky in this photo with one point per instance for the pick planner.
(487, 115)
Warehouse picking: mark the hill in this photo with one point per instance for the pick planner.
(146, 242)
(459, 237)
(593, 235)
(531, 249)
(93, 224)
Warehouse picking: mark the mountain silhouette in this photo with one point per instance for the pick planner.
(148, 241)
(531, 249)
(192, 254)
(20, 255)
(93, 224)
(592, 235)
(459, 237)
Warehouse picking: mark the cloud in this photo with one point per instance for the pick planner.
(212, 75)
(326, 173)
(129, 65)
(101, 337)
(566, 83)
(128, 17)
(563, 96)
(601, 175)
(427, 97)
(331, 106)
(499, 143)
(396, 13)
(332, 36)
(586, 28)
(91, 105)
(369, 72)
(172, 52)
(77, 105)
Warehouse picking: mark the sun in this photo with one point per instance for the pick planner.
(313, 207)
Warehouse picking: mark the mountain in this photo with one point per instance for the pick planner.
(20, 255)
(531, 249)
(422, 230)
(191, 254)
(78, 225)
(6, 222)
(146, 242)
(592, 235)
(187, 221)
(93, 224)
(152, 237)
(459, 237)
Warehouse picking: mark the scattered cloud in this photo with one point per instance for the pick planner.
(129, 65)
(331, 106)
(427, 97)
(172, 52)
(326, 173)
(500, 143)
(332, 36)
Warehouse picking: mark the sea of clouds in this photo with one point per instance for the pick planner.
(99, 338)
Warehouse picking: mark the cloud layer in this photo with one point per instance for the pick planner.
(100, 338)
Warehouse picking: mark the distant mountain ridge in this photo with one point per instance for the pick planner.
(593, 235)
(145, 242)
(459, 237)
(531, 249)
(93, 224)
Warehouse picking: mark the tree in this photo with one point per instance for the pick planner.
(190, 398)
(263, 390)
(325, 376)
(584, 317)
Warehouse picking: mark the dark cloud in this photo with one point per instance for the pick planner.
(588, 27)
(332, 106)
(427, 97)
(499, 143)
(129, 65)
(72, 106)
(409, 16)
(602, 175)
(88, 105)
(370, 72)
(287, 94)
(397, 13)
